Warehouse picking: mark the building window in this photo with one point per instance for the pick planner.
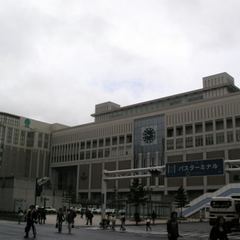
(40, 139)
(81, 155)
(82, 145)
(220, 138)
(230, 136)
(94, 153)
(121, 140)
(209, 126)
(198, 128)
(114, 152)
(121, 151)
(30, 139)
(170, 145)
(198, 141)
(94, 143)
(128, 150)
(114, 141)
(238, 135)
(179, 143)
(9, 135)
(189, 142)
(189, 129)
(237, 121)
(229, 123)
(46, 140)
(129, 138)
(107, 142)
(219, 124)
(107, 152)
(100, 153)
(88, 144)
(170, 132)
(88, 154)
(209, 139)
(9, 120)
(100, 143)
(179, 131)
(16, 136)
(22, 138)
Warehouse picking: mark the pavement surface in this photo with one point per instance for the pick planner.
(193, 228)
(51, 219)
(199, 230)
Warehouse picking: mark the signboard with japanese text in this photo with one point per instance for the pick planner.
(195, 168)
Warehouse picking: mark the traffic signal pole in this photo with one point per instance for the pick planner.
(125, 174)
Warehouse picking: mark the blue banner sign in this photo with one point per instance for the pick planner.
(195, 168)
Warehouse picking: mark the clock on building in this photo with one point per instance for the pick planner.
(148, 135)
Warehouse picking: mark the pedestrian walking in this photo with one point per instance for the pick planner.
(219, 231)
(31, 218)
(113, 221)
(154, 216)
(123, 219)
(137, 217)
(89, 217)
(172, 227)
(148, 223)
(42, 215)
(20, 215)
(60, 219)
(70, 219)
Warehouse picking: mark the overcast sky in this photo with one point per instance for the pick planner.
(59, 58)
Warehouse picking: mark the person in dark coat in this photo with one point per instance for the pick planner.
(42, 215)
(172, 227)
(154, 216)
(31, 218)
(123, 220)
(60, 219)
(89, 216)
(137, 217)
(70, 219)
(219, 231)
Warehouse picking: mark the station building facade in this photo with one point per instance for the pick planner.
(25, 146)
(197, 125)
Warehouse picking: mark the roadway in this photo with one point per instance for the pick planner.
(11, 230)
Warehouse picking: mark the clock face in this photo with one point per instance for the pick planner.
(148, 135)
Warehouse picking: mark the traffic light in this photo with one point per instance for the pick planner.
(39, 189)
(154, 172)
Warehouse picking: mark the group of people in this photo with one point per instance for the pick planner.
(41, 215)
(218, 232)
(150, 217)
(32, 216)
(69, 218)
(109, 221)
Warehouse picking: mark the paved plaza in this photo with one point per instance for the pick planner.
(11, 230)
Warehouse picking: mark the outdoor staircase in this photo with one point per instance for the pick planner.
(198, 203)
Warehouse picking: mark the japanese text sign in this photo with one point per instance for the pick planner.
(195, 168)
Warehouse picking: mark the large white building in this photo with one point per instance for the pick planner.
(201, 124)
(197, 125)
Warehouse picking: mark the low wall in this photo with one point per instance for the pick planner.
(8, 215)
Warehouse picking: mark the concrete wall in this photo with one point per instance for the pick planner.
(16, 192)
